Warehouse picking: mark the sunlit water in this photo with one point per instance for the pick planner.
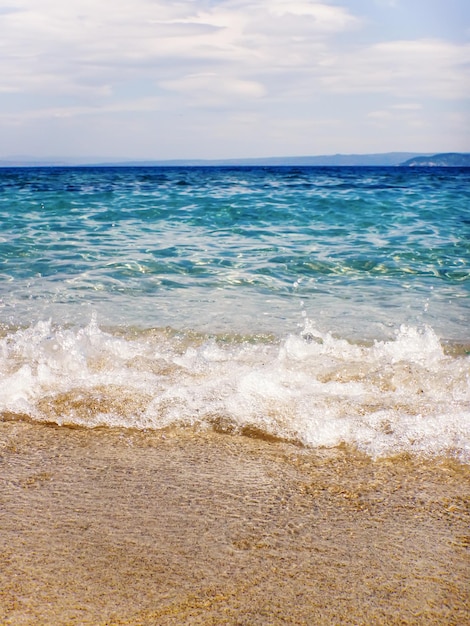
(316, 305)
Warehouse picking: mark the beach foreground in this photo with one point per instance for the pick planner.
(109, 526)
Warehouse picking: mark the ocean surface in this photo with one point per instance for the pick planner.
(320, 306)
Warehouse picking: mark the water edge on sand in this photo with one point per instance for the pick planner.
(109, 526)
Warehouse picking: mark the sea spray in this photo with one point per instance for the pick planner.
(312, 388)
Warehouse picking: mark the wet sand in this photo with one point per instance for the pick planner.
(112, 527)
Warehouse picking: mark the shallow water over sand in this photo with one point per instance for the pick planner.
(360, 250)
(109, 526)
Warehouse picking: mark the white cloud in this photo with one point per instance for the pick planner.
(403, 68)
(408, 106)
(302, 63)
(397, 117)
(77, 45)
(83, 49)
(141, 105)
(393, 4)
(326, 18)
(210, 88)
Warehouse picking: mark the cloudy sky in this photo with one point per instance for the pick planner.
(164, 79)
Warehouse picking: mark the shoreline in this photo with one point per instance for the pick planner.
(112, 527)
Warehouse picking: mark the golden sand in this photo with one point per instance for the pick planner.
(111, 527)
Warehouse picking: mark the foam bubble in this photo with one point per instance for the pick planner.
(405, 394)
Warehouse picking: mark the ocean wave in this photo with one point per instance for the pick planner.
(409, 394)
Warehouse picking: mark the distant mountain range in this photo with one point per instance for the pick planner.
(407, 159)
(389, 158)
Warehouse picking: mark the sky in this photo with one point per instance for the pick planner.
(210, 79)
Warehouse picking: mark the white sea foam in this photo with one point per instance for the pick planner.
(387, 397)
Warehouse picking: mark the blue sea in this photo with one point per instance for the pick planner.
(318, 306)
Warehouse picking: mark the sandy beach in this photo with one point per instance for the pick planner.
(118, 527)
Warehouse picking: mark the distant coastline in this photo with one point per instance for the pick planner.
(448, 159)
(391, 159)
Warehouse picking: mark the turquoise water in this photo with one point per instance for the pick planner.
(288, 299)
